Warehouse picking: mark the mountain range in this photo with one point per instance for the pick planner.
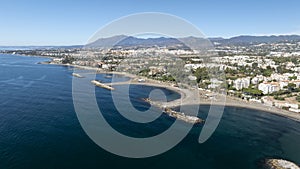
(121, 41)
(246, 40)
(130, 41)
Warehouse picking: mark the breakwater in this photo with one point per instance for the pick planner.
(99, 84)
(175, 114)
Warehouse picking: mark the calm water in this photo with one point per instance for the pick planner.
(39, 128)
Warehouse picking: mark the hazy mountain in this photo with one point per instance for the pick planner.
(196, 43)
(246, 40)
(216, 39)
(192, 42)
(122, 41)
(107, 42)
(130, 41)
(134, 42)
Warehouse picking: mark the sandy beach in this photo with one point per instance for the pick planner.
(186, 95)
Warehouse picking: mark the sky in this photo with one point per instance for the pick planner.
(66, 22)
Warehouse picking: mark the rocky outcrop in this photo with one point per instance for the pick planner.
(280, 164)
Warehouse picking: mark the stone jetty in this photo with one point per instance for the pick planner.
(77, 75)
(175, 114)
(99, 84)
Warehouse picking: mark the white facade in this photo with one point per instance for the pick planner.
(214, 83)
(241, 83)
(269, 87)
(257, 79)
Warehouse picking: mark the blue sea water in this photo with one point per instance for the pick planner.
(39, 127)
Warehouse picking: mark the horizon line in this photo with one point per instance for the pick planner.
(212, 37)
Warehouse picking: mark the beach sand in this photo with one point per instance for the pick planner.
(187, 95)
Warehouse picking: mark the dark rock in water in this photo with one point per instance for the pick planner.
(279, 164)
(44, 62)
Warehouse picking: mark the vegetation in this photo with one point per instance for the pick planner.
(252, 92)
(204, 85)
(291, 87)
(285, 108)
(267, 72)
(144, 72)
(68, 59)
(298, 98)
(168, 78)
(280, 60)
(281, 69)
(280, 92)
(201, 74)
(278, 97)
(292, 77)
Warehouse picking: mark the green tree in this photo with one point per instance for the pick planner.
(293, 77)
(281, 69)
(278, 98)
(268, 71)
(253, 92)
(254, 65)
(144, 72)
(168, 78)
(68, 59)
(201, 74)
(291, 86)
(298, 98)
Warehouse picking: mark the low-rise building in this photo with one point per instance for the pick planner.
(257, 79)
(241, 83)
(269, 87)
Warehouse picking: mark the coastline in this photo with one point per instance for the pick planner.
(234, 102)
(230, 101)
(37, 56)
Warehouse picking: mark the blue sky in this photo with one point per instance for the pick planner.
(65, 22)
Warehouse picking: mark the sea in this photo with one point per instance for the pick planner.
(39, 128)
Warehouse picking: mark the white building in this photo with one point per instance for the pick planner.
(269, 87)
(257, 79)
(283, 84)
(241, 83)
(214, 83)
(58, 60)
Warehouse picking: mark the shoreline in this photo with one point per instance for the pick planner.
(37, 56)
(260, 107)
(230, 101)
